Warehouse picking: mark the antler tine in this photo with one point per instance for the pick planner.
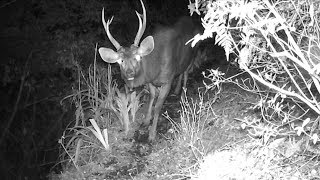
(142, 25)
(106, 28)
(137, 39)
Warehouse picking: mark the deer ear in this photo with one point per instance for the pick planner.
(146, 46)
(108, 55)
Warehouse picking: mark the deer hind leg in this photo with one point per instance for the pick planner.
(164, 90)
(178, 87)
(184, 75)
(185, 79)
(152, 90)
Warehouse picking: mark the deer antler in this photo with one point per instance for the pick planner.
(142, 24)
(106, 27)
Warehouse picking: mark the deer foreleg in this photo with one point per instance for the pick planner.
(152, 90)
(164, 90)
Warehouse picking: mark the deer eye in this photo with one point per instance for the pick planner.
(137, 57)
(120, 61)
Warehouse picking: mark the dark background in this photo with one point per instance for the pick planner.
(44, 44)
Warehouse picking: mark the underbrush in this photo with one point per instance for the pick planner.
(176, 156)
(104, 121)
(277, 45)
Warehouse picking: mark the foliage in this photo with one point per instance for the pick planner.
(278, 45)
(188, 135)
(98, 133)
(127, 104)
(94, 101)
(99, 101)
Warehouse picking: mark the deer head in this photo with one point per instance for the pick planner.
(129, 58)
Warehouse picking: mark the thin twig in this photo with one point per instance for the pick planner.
(23, 77)
(7, 4)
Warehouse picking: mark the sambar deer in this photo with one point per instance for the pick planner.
(156, 61)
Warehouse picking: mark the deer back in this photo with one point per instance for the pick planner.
(170, 56)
